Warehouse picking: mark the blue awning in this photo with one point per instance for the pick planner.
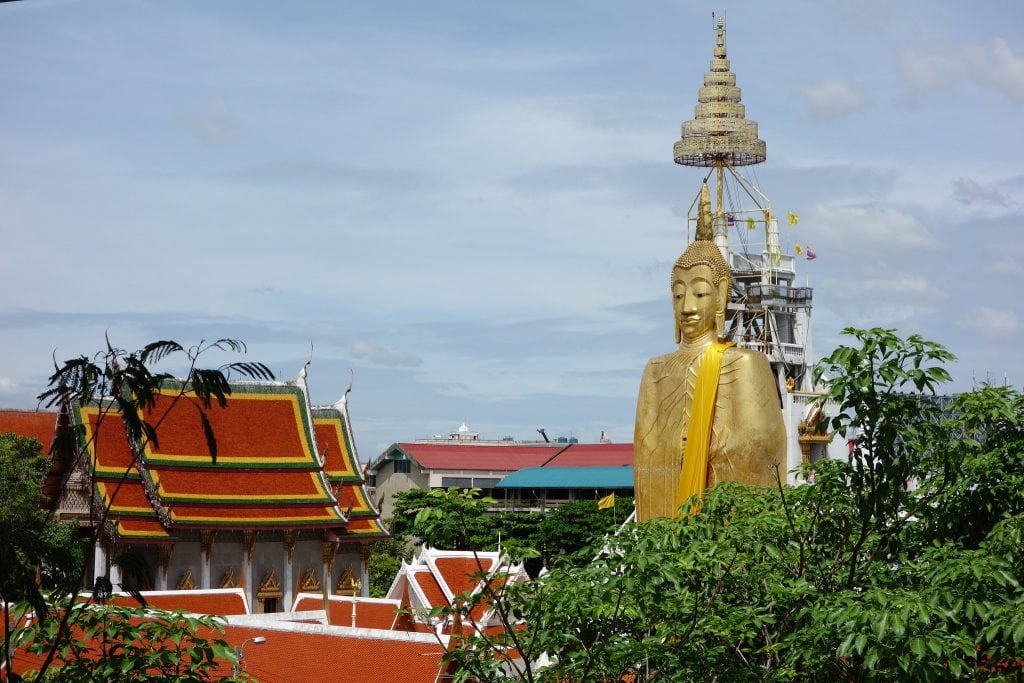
(569, 478)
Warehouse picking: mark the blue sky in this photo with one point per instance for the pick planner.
(473, 206)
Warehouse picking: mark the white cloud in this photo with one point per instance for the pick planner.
(382, 355)
(926, 69)
(8, 387)
(994, 322)
(217, 125)
(829, 100)
(968, 191)
(905, 286)
(870, 229)
(1005, 70)
(1008, 266)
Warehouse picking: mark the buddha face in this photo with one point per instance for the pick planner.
(695, 300)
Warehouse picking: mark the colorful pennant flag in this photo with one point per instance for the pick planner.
(730, 219)
(778, 256)
(793, 218)
(750, 223)
(606, 502)
(810, 253)
(798, 249)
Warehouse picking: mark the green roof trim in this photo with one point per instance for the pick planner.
(569, 478)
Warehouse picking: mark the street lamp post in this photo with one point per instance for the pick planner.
(240, 653)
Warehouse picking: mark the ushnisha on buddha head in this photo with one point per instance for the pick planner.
(700, 284)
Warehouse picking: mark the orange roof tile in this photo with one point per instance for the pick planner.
(37, 424)
(239, 517)
(258, 487)
(377, 613)
(277, 413)
(333, 438)
(461, 574)
(429, 587)
(266, 473)
(362, 528)
(219, 601)
(353, 500)
(312, 653)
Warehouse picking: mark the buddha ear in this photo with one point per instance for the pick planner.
(723, 296)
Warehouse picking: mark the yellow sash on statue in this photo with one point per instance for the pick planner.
(694, 476)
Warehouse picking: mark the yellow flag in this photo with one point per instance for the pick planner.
(778, 256)
(799, 250)
(750, 223)
(606, 502)
(793, 218)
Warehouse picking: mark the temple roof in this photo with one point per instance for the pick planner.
(38, 424)
(439, 578)
(219, 601)
(312, 653)
(379, 613)
(333, 432)
(269, 470)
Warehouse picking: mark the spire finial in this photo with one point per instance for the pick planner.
(719, 132)
(704, 221)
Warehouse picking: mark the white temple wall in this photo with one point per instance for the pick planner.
(268, 555)
(225, 556)
(185, 556)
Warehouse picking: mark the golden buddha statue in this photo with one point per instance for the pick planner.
(707, 412)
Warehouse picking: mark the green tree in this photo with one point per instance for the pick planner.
(116, 643)
(126, 384)
(872, 573)
(33, 546)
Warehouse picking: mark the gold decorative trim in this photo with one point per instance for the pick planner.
(310, 582)
(228, 580)
(186, 582)
(289, 543)
(206, 543)
(249, 541)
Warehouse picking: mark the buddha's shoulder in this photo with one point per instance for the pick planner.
(745, 361)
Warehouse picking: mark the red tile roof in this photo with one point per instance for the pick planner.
(429, 587)
(462, 574)
(370, 612)
(335, 443)
(266, 473)
(220, 601)
(593, 455)
(500, 458)
(38, 424)
(312, 653)
(341, 465)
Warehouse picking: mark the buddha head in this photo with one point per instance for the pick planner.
(700, 282)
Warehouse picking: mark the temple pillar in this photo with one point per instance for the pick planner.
(163, 560)
(248, 545)
(99, 560)
(289, 570)
(115, 569)
(206, 549)
(330, 550)
(364, 570)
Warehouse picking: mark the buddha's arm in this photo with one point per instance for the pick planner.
(644, 436)
(750, 435)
